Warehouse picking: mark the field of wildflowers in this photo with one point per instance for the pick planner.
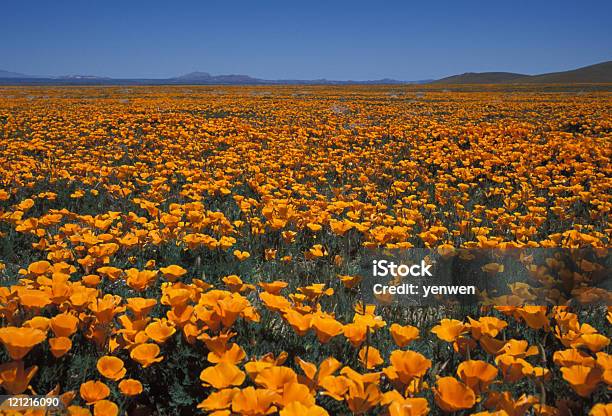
(185, 250)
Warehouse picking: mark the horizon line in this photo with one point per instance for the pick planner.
(77, 75)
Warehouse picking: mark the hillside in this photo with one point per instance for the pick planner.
(598, 73)
(481, 78)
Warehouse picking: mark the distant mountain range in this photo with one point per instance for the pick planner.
(598, 73)
(17, 76)
(192, 78)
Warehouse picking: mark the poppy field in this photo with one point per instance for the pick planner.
(191, 250)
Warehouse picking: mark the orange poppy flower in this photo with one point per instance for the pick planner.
(582, 379)
(105, 408)
(111, 367)
(361, 397)
(408, 365)
(106, 308)
(241, 255)
(534, 316)
(370, 357)
(130, 387)
(350, 282)
(139, 280)
(160, 330)
(315, 252)
(274, 287)
(594, 342)
(601, 409)
(60, 346)
(313, 374)
(253, 402)
(38, 322)
(93, 391)
(315, 291)
(275, 377)
(113, 273)
(314, 227)
(91, 280)
(477, 375)
(491, 345)
(340, 227)
(19, 341)
(141, 306)
(403, 335)
(334, 386)
(173, 272)
(414, 406)
(14, 378)
(222, 375)
(217, 343)
(295, 393)
(275, 360)
(253, 368)
(33, 299)
(299, 322)
(365, 378)
(231, 307)
(604, 361)
(356, 333)
(218, 400)
(64, 324)
(449, 330)
(513, 368)
(452, 395)
(270, 254)
(275, 303)
(232, 354)
(326, 328)
(572, 356)
(190, 332)
(176, 297)
(39, 267)
(146, 354)
(235, 284)
(519, 348)
(504, 403)
(486, 326)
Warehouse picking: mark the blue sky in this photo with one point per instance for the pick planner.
(302, 39)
